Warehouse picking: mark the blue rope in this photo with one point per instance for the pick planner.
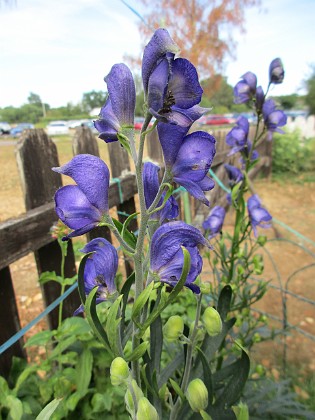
(135, 12)
(24, 330)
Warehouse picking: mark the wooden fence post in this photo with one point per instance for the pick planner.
(36, 154)
(84, 142)
(10, 323)
(119, 162)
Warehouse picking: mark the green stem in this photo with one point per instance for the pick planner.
(62, 273)
(189, 357)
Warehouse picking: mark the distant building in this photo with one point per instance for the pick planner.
(95, 112)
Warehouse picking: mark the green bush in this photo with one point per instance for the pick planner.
(292, 154)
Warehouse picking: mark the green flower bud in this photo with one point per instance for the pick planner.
(212, 321)
(256, 338)
(224, 279)
(197, 395)
(119, 371)
(146, 410)
(128, 396)
(205, 288)
(260, 370)
(241, 411)
(261, 240)
(173, 328)
(258, 264)
(240, 269)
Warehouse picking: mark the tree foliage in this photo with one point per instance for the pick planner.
(93, 99)
(310, 87)
(202, 29)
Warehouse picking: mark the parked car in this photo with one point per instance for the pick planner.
(18, 130)
(138, 123)
(56, 128)
(4, 128)
(215, 120)
(90, 124)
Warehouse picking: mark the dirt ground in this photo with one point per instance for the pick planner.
(290, 202)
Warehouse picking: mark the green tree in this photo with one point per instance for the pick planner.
(310, 87)
(34, 98)
(93, 99)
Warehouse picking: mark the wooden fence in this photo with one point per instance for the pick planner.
(36, 154)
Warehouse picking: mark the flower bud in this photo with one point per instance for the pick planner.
(258, 264)
(119, 371)
(212, 321)
(146, 410)
(276, 71)
(128, 396)
(205, 288)
(261, 240)
(197, 395)
(173, 328)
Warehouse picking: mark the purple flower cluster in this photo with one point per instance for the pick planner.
(258, 215)
(214, 222)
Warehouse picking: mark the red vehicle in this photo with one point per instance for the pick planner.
(138, 123)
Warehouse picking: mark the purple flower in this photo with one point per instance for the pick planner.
(151, 186)
(81, 207)
(237, 137)
(100, 269)
(215, 220)
(257, 214)
(273, 118)
(188, 158)
(247, 151)
(166, 256)
(171, 85)
(235, 175)
(260, 99)
(245, 89)
(117, 115)
(276, 71)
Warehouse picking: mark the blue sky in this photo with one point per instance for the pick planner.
(63, 48)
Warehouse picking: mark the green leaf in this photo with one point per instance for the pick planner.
(177, 389)
(62, 346)
(112, 327)
(74, 399)
(233, 390)
(225, 301)
(124, 141)
(49, 276)
(81, 286)
(84, 371)
(129, 237)
(74, 326)
(47, 412)
(40, 339)
(91, 315)
(126, 223)
(15, 407)
(138, 352)
(24, 375)
(141, 300)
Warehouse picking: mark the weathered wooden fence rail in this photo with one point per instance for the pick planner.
(36, 154)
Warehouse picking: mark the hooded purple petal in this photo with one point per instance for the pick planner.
(92, 177)
(276, 71)
(184, 84)
(160, 44)
(258, 215)
(166, 256)
(157, 88)
(273, 117)
(245, 88)
(260, 98)
(215, 220)
(122, 93)
(101, 266)
(235, 175)
(108, 125)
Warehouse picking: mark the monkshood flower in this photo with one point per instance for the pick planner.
(237, 137)
(117, 115)
(258, 215)
(151, 186)
(260, 99)
(245, 89)
(214, 221)
(247, 152)
(100, 269)
(276, 71)
(235, 175)
(81, 207)
(171, 85)
(273, 118)
(167, 258)
(188, 158)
